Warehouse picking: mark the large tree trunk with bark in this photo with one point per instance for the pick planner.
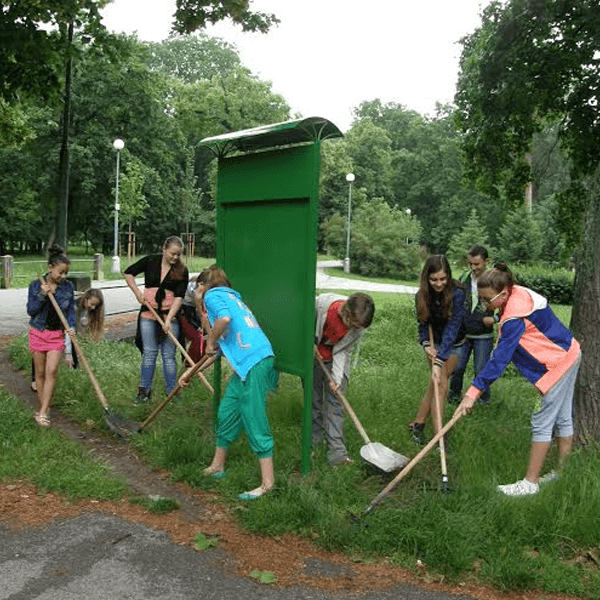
(585, 322)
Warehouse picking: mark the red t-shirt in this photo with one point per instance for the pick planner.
(333, 330)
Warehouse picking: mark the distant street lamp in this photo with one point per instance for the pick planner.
(349, 179)
(118, 145)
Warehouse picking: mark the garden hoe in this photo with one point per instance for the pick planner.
(437, 416)
(408, 468)
(172, 395)
(116, 424)
(182, 349)
(374, 453)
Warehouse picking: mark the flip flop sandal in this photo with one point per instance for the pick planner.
(42, 420)
(215, 474)
(254, 495)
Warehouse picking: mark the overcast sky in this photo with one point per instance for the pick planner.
(327, 56)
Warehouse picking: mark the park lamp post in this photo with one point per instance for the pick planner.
(118, 145)
(349, 179)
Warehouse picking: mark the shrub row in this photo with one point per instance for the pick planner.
(556, 286)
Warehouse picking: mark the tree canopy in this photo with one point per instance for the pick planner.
(32, 43)
(531, 65)
(191, 15)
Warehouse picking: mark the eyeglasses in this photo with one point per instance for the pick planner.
(488, 302)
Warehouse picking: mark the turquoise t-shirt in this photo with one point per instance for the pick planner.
(243, 343)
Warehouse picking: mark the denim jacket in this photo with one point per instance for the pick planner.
(38, 305)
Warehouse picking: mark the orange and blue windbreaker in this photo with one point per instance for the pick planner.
(533, 338)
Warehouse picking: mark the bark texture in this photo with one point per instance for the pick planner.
(585, 323)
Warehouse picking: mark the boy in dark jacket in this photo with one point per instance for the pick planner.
(478, 322)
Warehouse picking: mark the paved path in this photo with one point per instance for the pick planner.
(328, 282)
(118, 297)
(100, 557)
(14, 319)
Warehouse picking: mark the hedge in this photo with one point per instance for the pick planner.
(556, 286)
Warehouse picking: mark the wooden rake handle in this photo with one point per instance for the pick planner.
(182, 350)
(80, 354)
(203, 379)
(439, 421)
(409, 467)
(438, 414)
(175, 391)
(343, 399)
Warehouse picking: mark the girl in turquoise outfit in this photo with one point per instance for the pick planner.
(234, 330)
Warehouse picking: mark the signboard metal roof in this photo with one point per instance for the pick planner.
(287, 133)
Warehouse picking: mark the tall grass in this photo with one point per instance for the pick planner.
(472, 533)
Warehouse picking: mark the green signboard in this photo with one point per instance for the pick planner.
(267, 213)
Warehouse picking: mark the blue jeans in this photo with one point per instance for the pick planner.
(151, 334)
(481, 348)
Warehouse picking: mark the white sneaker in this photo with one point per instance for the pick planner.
(521, 488)
(548, 477)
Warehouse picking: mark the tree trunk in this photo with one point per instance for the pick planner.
(64, 162)
(585, 322)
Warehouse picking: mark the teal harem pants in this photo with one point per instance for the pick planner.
(244, 405)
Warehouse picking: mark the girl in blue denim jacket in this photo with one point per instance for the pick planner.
(46, 331)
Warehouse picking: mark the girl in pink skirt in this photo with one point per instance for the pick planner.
(46, 331)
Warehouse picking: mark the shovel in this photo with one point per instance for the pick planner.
(116, 424)
(408, 468)
(376, 454)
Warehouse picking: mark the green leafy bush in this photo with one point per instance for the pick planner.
(382, 241)
(555, 285)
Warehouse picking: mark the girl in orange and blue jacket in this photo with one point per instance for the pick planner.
(545, 352)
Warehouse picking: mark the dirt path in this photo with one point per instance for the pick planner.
(295, 561)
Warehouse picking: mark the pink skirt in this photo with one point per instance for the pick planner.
(46, 341)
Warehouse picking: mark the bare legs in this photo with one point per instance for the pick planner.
(218, 462)
(539, 451)
(46, 369)
(266, 469)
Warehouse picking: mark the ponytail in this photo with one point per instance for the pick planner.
(497, 278)
(57, 256)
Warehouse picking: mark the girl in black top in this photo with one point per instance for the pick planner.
(165, 283)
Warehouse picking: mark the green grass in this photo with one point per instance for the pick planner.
(46, 459)
(471, 534)
(27, 268)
